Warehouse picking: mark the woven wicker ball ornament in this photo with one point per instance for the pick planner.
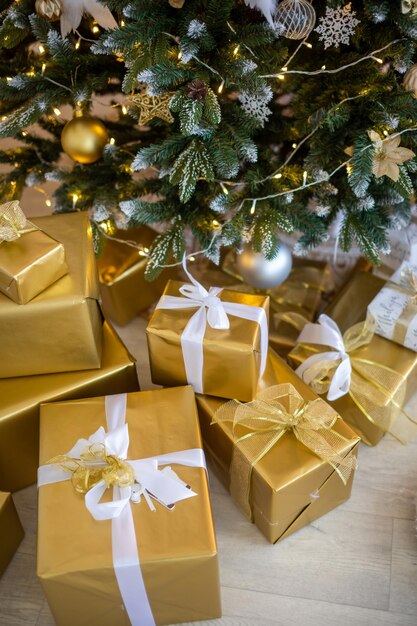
(295, 19)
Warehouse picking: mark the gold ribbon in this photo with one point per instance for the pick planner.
(376, 389)
(409, 288)
(260, 424)
(13, 222)
(93, 466)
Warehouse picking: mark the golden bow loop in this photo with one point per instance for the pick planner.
(95, 465)
(410, 279)
(13, 222)
(258, 426)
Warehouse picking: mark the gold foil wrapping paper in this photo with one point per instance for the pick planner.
(349, 308)
(124, 290)
(177, 548)
(30, 264)
(11, 531)
(20, 399)
(231, 357)
(290, 486)
(303, 292)
(60, 329)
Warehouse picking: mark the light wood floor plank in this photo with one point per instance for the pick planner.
(403, 595)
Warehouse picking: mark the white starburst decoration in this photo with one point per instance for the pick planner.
(256, 105)
(337, 26)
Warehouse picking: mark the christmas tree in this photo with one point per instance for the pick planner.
(234, 120)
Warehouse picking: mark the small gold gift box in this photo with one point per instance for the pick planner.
(60, 329)
(383, 373)
(20, 399)
(232, 357)
(124, 290)
(277, 480)
(176, 547)
(30, 260)
(11, 531)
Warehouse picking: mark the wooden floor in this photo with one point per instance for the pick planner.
(356, 566)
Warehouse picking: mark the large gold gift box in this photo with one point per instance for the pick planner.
(20, 399)
(177, 548)
(349, 308)
(60, 329)
(232, 357)
(124, 290)
(30, 264)
(11, 531)
(290, 486)
(303, 293)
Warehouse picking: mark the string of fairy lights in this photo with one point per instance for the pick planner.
(225, 185)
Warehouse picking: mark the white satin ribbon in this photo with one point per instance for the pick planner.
(327, 333)
(215, 312)
(151, 482)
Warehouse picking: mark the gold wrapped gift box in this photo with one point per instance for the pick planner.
(20, 399)
(349, 308)
(177, 548)
(11, 531)
(303, 292)
(232, 357)
(30, 264)
(124, 290)
(60, 329)
(290, 486)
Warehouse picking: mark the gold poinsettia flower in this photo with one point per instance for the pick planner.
(388, 156)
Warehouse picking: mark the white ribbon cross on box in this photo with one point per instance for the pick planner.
(327, 333)
(150, 482)
(214, 311)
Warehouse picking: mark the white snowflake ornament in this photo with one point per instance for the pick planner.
(337, 26)
(256, 105)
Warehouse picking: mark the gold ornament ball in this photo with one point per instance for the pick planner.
(49, 9)
(83, 139)
(410, 80)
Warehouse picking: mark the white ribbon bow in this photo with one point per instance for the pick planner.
(327, 333)
(215, 312)
(150, 482)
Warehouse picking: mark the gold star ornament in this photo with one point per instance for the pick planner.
(152, 106)
(388, 156)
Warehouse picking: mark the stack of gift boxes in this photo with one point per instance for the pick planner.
(281, 431)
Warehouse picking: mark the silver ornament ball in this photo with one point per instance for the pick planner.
(260, 273)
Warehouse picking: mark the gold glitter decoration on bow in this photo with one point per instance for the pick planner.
(152, 106)
(13, 222)
(260, 424)
(93, 466)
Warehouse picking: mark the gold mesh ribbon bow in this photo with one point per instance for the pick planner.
(409, 288)
(260, 424)
(376, 389)
(95, 465)
(13, 222)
